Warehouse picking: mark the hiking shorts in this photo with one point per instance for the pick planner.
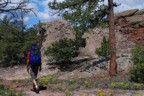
(33, 71)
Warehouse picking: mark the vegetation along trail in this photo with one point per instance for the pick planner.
(52, 86)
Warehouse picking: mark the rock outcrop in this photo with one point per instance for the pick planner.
(56, 30)
(126, 13)
(129, 31)
(131, 23)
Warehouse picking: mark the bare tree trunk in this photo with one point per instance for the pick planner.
(112, 40)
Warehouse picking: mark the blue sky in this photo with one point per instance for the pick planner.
(44, 12)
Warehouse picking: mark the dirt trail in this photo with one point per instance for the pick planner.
(9, 75)
(45, 93)
(20, 72)
(84, 92)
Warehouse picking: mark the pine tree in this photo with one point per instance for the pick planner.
(85, 14)
(13, 7)
(112, 40)
(14, 41)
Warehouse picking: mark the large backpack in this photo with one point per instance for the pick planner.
(35, 57)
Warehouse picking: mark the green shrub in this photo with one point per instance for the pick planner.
(120, 85)
(104, 49)
(87, 84)
(103, 24)
(137, 73)
(137, 54)
(4, 91)
(137, 86)
(80, 42)
(100, 93)
(47, 80)
(63, 50)
(71, 82)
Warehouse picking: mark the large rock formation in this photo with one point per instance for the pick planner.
(56, 30)
(131, 23)
(126, 13)
(129, 31)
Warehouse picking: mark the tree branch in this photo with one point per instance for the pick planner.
(9, 7)
(65, 5)
(116, 4)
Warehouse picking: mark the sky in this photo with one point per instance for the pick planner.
(44, 13)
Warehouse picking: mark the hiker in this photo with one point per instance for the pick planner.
(34, 65)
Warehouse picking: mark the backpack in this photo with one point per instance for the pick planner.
(35, 57)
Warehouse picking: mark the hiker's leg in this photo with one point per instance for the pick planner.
(35, 86)
(35, 76)
(35, 83)
(33, 73)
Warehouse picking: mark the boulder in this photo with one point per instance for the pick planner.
(136, 19)
(126, 13)
(141, 24)
(140, 12)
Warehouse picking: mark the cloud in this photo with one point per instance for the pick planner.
(44, 12)
(2, 16)
(26, 19)
(128, 4)
(32, 5)
(43, 16)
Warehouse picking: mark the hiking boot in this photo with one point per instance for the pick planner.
(34, 89)
(37, 90)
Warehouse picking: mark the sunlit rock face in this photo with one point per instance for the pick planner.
(131, 22)
(129, 28)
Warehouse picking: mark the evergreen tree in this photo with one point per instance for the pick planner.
(10, 40)
(11, 31)
(104, 49)
(82, 14)
(31, 36)
(14, 41)
(85, 14)
(112, 39)
(13, 7)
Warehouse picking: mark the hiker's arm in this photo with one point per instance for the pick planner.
(28, 56)
(27, 64)
(40, 68)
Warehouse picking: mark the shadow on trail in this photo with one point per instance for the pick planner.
(84, 63)
(96, 63)
(42, 87)
(69, 65)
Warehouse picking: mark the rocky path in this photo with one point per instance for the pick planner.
(19, 73)
(10, 75)
(91, 92)
(83, 92)
(45, 93)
